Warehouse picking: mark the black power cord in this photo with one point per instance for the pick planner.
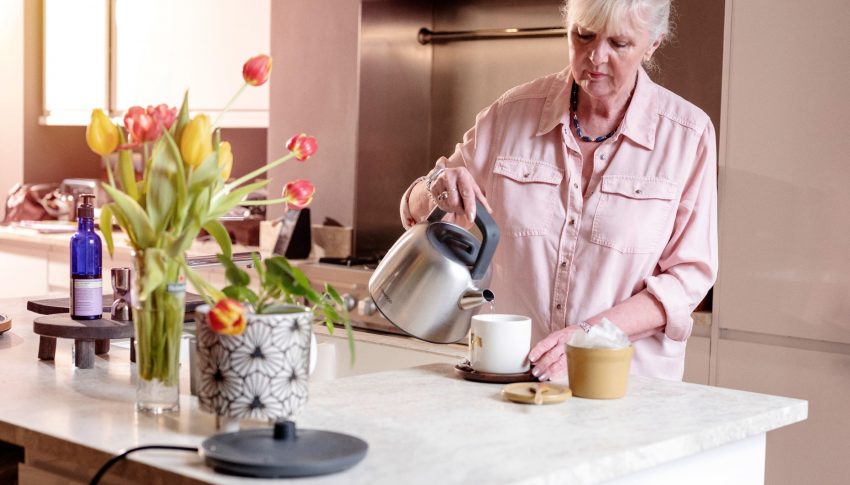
(115, 459)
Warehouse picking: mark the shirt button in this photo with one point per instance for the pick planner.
(572, 222)
(575, 186)
(602, 156)
(558, 306)
(637, 191)
(563, 264)
(526, 175)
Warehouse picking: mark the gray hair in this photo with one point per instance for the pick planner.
(598, 15)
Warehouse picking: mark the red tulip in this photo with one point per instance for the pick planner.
(302, 146)
(298, 194)
(227, 317)
(257, 69)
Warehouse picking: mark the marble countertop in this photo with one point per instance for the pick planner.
(423, 425)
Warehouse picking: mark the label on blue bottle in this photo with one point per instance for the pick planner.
(86, 297)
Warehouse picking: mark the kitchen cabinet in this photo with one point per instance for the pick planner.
(781, 303)
(118, 53)
(697, 360)
(814, 451)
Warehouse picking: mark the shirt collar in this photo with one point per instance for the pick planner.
(638, 124)
(642, 114)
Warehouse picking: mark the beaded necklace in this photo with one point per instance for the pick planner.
(573, 106)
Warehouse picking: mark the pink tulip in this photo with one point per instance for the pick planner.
(139, 125)
(257, 69)
(147, 124)
(298, 194)
(163, 115)
(302, 146)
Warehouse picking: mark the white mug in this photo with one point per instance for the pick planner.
(499, 344)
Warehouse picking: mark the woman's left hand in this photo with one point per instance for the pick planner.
(548, 356)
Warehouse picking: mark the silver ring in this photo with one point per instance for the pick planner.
(443, 195)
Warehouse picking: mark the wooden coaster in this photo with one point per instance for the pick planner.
(465, 371)
(90, 336)
(524, 392)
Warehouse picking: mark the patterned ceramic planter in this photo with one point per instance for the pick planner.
(261, 374)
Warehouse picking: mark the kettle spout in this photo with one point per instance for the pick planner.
(474, 298)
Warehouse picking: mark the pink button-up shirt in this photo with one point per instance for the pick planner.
(647, 221)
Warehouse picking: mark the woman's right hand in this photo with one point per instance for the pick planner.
(454, 190)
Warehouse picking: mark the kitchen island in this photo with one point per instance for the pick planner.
(423, 425)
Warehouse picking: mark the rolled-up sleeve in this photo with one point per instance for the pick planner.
(688, 264)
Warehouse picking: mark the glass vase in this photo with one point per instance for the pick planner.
(158, 308)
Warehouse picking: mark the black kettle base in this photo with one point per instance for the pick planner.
(282, 452)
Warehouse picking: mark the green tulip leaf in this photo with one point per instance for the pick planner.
(154, 261)
(184, 241)
(205, 174)
(179, 179)
(219, 233)
(200, 207)
(106, 227)
(161, 197)
(136, 218)
(182, 118)
(222, 205)
(210, 293)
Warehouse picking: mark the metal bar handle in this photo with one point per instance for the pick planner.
(427, 36)
(239, 259)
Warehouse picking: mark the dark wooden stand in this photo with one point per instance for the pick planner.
(52, 306)
(90, 336)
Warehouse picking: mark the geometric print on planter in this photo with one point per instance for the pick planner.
(261, 374)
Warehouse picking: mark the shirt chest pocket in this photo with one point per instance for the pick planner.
(525, 196)
(634, 213)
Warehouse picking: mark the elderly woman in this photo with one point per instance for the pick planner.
(604, 186)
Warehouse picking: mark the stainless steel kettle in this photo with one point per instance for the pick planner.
(426, 284)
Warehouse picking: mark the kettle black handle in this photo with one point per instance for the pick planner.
(489, 237)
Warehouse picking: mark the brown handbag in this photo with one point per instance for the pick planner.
(34, 202)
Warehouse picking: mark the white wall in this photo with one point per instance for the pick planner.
(11, 96)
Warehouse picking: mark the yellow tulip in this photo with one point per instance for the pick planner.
(196, 141)
(225, 160)
(101, 134)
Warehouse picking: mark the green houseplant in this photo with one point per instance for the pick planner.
(254, 348)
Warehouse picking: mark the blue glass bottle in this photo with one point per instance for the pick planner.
(86, 265)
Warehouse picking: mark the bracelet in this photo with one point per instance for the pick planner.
(431, 177)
